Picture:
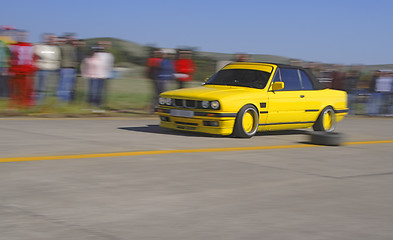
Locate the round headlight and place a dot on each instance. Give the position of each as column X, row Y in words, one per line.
column 215, row 104
column 168, row 101
column 205, row 104
column 161, row 101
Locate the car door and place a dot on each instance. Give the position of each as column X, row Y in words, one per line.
column 311, row 96
column 286, row 106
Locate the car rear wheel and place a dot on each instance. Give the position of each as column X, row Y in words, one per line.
column 246, row 123
column 326, row 121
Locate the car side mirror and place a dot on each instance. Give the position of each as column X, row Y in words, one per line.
column 277, row 86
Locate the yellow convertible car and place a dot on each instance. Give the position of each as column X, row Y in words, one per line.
column 246, row 97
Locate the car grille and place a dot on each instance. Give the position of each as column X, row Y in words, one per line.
column 190, row 104
column 178, row 102
column 185, row 103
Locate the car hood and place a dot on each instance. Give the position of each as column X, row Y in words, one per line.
column 211, row 92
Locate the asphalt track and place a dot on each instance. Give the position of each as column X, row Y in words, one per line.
column 121, row 178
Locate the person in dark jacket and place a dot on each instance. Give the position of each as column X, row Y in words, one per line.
column 68, row 66
column 4, row 59
column 166, row 69
column 338, row 78
column 350, row 84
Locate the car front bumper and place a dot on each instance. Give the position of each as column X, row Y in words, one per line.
column 204, row 122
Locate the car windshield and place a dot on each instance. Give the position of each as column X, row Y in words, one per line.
column 240, row 77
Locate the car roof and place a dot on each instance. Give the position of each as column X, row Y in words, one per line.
column 316, row 83
column 280, row 65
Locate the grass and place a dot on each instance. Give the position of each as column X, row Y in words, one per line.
column 134, row 93
column 125, row 96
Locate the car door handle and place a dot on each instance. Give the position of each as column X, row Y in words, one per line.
column 302, row 96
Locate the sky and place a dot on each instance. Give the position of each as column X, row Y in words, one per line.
column 331, row 31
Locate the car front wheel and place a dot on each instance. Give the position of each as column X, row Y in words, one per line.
column 246, row 123
column 326, row 121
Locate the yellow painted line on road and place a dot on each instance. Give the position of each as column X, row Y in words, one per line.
column 155, row 152
column 76, row 118
column 368, row 142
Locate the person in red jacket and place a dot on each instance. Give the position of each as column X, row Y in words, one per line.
column 21, row 68
column 152, row 69
column 184, row 67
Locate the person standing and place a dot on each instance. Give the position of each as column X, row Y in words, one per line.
column 4, row 58
column 379, row 98
column 152, row 68
column 80, row 46
column 383, row 86
column 351, row 81
column 106, row 69
column 22, row 67
column 68, row 70
column 166, row 69
column 7, row 34
column 81, row 53
column 373, row 95
column 184, row 67
column 338, row 78
column 89, row 70
column 48, row 63
column 97, row 69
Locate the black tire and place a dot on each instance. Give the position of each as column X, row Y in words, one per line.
column 247, row 122
column 326, row 121
column 329, row 139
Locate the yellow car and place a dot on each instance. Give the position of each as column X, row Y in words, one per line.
column 246, row 97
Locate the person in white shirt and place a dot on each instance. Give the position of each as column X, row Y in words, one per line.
column 48, row 64
column 98, row 69
column 381, row 99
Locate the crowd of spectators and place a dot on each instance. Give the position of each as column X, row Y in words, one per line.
column 369, row 93
column 381, row 93
column 166, row 65
column 376, row 98
column 28, row 71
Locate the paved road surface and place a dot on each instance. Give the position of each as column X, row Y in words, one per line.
column 283, row 188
